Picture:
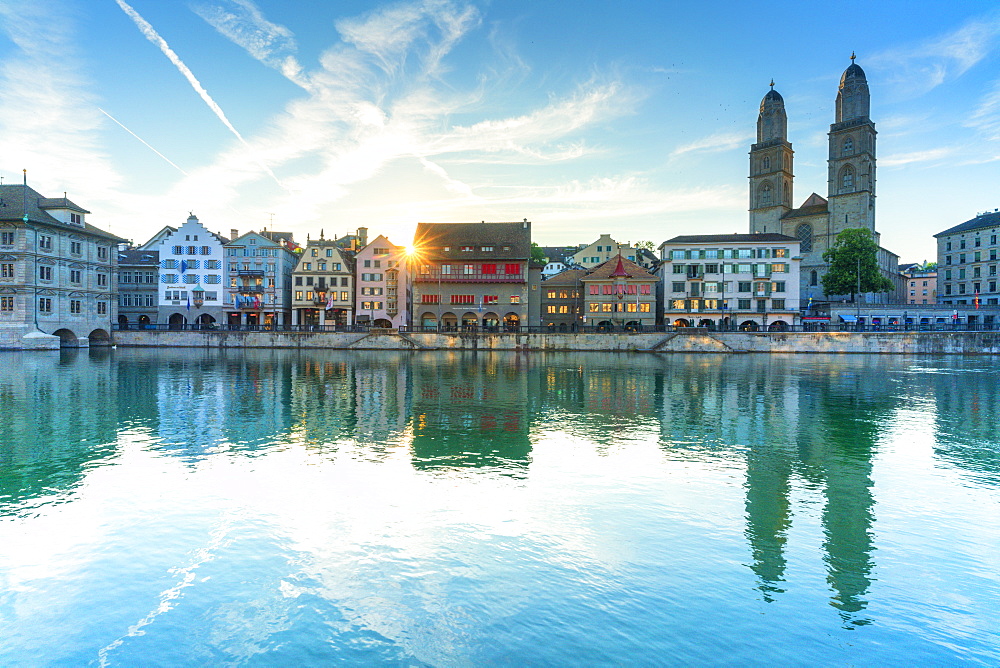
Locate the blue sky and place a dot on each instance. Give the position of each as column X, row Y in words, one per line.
column 588, row 117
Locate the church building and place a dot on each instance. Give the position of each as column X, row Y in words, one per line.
column 850, row 200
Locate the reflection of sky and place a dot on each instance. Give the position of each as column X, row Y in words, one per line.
column 596, row 530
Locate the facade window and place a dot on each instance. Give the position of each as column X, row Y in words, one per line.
column 6, row 304
column 778, row 304
column 743, row 286
column 74, row 306
column 102, row 280
column 961, row 244
column 804, row 234
column 743, row 304
column 512, row 269
column 7, row 270
column 469, row 269
column 429, row 299
column 467, row 249
column 6, row 238
column 847, row 179
column 298, row 295
column 765, row 195
column 45, row 273
column 44, row 305
column 947, row 246
column 345, row 296
column 74, row 276
column 45, row 242
column 463, row 299
column 515, row 299
column 102, row 308
column 848, row 147
column 76, row 248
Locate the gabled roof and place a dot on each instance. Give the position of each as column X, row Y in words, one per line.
column 620, row 265
column 566, row 277
column 431, row 239
column 813, row 206
column 980, row 221
column 136, row 256
column 16, row 200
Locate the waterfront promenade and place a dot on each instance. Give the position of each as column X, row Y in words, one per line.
column 681, row 341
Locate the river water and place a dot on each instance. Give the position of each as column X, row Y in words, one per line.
column 198, row 507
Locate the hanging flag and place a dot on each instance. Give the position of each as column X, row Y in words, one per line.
column 976, row 300
column 809, row 305
column 184, row 266
column 189, row 304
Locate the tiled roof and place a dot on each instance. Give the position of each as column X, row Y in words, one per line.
column 134, row 256
column 813, row 206
column 567, row 277
column 727, row 239
column 18, row 199
column 430, row 240
column 980, row 221
column 604, row 271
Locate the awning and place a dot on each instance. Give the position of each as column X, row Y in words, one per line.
column 849, row 318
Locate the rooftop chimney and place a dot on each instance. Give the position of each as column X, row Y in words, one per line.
column 233, row 234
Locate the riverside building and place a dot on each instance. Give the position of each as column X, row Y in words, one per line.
column 323, row 290
column 260, row 280
column 472, row 275
column 967, row 261
column 382, row 281
column 728, row 281
column 619, row 294
column 191, row 271
column 57, row 273
column 138, row 287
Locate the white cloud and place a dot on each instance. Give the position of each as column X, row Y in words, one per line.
column 48, row 124
column 930, row 155
column 715, row 143
column 918, row 69
column 986, row 117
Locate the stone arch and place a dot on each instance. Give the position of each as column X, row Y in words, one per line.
column 512, row 321
column 176, row 321
column 122, row 321
column 491, row 320
column 382, row 323
column 449, row 321
column 749, row 326
column 428, row 320
column 470, row 320
column 778, row 326
column 144, row 320
column 205, row 321
column 682, row 322
column 99, row 337
column 804, row 233
column 67, row 339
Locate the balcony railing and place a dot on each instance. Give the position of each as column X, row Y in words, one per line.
column 435, row 277
column 250, row 289
column 250, row 272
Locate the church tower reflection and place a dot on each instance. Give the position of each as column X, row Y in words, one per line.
column 826, row 441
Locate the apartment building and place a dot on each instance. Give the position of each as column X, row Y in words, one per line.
column 728, row 281
column 323, row 290
column 967, row 261
column 382, row 283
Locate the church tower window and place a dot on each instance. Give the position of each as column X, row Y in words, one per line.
column 804, row 233
column 847, row 179
column 848, row 147
column 766, row 164
column 765, row 195
column 813, row 277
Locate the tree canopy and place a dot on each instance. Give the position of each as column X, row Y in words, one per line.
column 648, row 245
column 537, row 254
column 853, row 262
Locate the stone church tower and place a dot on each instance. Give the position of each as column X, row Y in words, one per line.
column 850, row 201
column 770, row 166
column 851, row 190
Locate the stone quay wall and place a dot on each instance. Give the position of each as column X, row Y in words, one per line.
column 698, row 341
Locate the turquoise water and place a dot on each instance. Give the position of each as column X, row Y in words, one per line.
column 281, row 508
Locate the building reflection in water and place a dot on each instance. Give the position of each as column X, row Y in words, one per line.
column 813, row 426
column 471, row 410
column 57, row 420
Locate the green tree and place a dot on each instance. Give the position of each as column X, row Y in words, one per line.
column 537, row 254
column 853, row 262
column 648, row 245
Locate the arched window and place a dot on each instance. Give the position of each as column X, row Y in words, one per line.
column 765, row 195
column 847, row 179
column 788, row 195
column 804, row 233
column 848, row 147
column 813, row 278
column 765, row 164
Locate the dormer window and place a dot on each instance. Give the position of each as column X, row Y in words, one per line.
column 486, row 249
column 253, row 242
column 76, row 218
column 467, row 248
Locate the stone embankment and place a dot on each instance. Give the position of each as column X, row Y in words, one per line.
column 696, row 341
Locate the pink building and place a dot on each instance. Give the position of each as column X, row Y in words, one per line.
column 382, row 294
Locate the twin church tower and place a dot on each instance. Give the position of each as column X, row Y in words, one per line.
column 850, row 200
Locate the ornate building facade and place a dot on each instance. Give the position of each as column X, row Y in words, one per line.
column 850, row 200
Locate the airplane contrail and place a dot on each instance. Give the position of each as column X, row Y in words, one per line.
column 143, row 141
column 150, row 33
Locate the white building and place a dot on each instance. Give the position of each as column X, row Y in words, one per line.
column 191, row 271
column 729, row 281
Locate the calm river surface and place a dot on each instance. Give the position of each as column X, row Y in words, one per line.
column 192, row 507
